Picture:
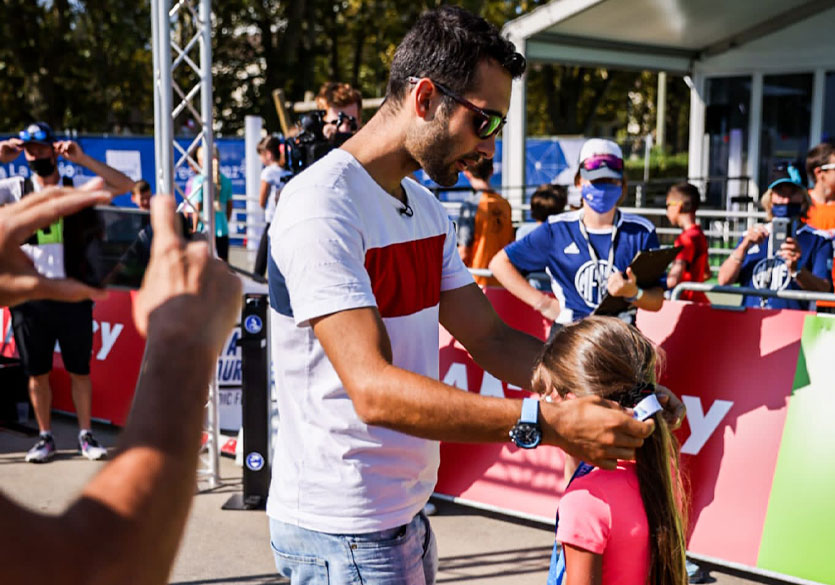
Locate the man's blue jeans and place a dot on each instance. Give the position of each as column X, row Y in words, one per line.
column 406, row 555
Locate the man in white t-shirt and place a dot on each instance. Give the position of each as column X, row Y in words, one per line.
column 363, row 267
column 39, row 324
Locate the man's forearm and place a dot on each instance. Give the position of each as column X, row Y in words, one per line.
column 427, row 408
column 509, row 355
column 116, row 181
column 135, row 510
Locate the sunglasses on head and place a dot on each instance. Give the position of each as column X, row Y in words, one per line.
column 487, row 122
column 600, row 161
column 27, row 136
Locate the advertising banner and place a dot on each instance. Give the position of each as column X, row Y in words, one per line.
column 117, row 356
column 754, row 447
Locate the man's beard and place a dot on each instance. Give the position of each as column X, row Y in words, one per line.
column 432, row 152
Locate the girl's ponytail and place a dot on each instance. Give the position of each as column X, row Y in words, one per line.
column 606, row 357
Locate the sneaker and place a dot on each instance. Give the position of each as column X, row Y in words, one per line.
column 43, row 450
column 90, row 447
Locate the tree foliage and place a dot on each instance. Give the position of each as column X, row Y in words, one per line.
column 87, row 65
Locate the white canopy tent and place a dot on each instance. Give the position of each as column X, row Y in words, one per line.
column 759, row 47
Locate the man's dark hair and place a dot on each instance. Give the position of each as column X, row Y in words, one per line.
column 141, row 186
column 483, row 169
column 690, row 194
column 446, row 45
column 548, row 200
column 818, row 156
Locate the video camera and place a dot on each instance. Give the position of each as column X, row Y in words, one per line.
column 311, row 144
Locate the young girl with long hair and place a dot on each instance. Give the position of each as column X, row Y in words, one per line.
column 624, row 526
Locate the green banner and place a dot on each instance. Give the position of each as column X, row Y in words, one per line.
column 799, row 533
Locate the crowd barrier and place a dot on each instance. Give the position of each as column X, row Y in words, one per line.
column 756, row 444
column 117, row 354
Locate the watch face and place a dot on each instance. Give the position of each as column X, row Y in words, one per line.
column 526, row 435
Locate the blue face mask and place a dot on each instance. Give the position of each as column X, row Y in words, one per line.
column 601, row 197
column 786, row 210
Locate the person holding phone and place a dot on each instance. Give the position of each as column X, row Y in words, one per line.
column 798, row 261
column 588, row 251
column 38, row 324
column 129, row 518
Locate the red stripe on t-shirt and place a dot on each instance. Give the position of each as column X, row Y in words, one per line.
column 406, row 277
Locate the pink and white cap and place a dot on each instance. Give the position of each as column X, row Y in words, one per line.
column 603, row 160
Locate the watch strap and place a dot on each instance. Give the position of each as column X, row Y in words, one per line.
column 530, row 411
column 637, row 296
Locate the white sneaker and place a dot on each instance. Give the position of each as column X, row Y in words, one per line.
column 43, row 450
column 90, row 447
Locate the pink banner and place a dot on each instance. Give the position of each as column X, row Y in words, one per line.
column 734, row 371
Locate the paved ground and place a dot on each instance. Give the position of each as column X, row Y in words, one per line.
column 228, row 547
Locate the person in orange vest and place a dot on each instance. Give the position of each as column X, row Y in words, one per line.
column 820, row 168
column 485, row 226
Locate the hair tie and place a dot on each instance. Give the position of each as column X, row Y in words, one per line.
column 629, row 398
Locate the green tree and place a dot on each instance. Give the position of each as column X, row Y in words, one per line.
column 87, row 65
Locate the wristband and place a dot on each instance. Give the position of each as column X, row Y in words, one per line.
column 543, row 302
column 637, row 296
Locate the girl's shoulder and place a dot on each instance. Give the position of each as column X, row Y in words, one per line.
column 609, row 484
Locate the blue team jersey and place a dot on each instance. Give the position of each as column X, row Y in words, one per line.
column 560, row 247
column 760, row 272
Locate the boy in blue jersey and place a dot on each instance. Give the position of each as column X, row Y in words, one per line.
column 801, row 263
column 587, row 251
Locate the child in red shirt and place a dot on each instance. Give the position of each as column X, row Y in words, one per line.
column 691, row 264
column 622, row 526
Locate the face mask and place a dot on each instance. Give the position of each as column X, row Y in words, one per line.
column 43, row 167
column 786, row 210
column 601, row 197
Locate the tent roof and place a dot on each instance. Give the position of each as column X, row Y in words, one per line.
column 652, row 34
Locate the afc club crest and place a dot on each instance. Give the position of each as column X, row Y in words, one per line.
column 590, row 281
column 771, row 274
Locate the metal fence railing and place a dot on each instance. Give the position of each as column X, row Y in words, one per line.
column 723, row 227
column 794, row 295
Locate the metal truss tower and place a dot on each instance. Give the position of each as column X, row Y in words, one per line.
column 182, row 49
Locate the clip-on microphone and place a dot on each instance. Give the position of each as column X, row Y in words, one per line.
column 407, row 211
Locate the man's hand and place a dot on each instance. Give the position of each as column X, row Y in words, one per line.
column 596, row 430
column 19, row 281
column 622, row 285
column 70, row 150
column 184, row 289
column 674, row 409
column 10, row 149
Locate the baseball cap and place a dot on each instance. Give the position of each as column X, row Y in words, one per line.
column 601, row 159
column 786, row 172
column 37, row 133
